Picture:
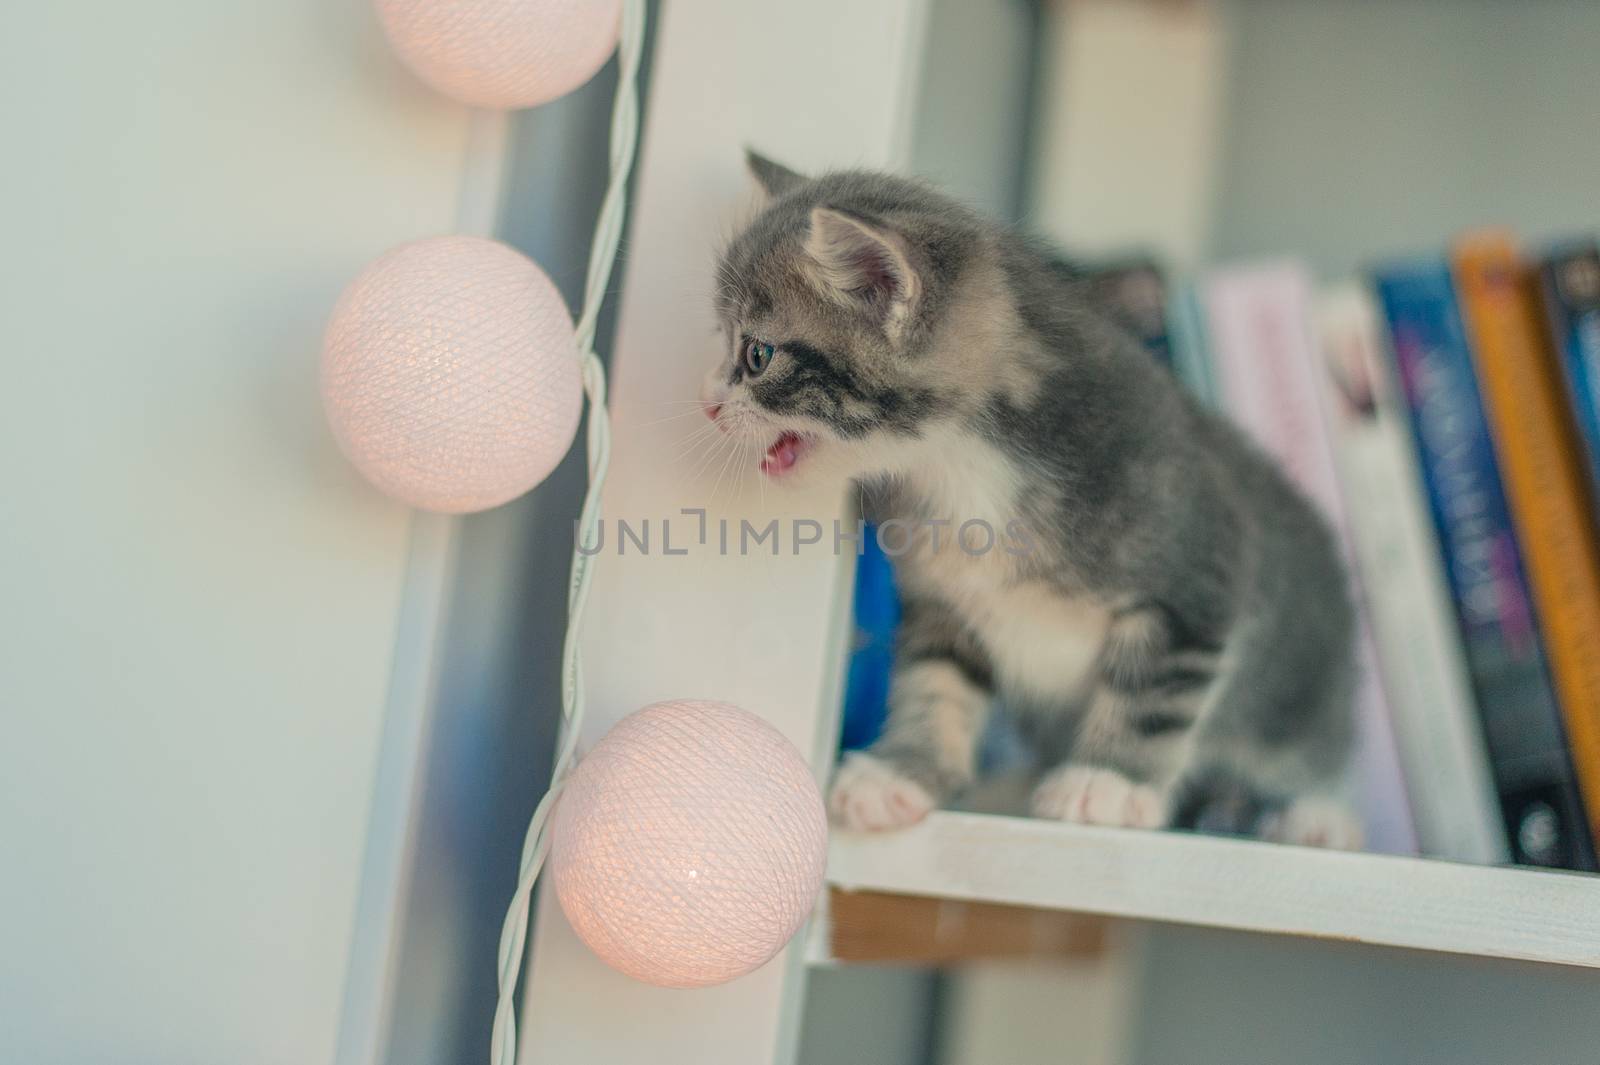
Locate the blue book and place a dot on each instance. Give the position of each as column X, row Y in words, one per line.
column 1571, row 281
column 1530, row 763
column 876, row 613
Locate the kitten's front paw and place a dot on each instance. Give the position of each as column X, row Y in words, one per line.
column 1314, row 822
column 1090, row 796
column 869, row 794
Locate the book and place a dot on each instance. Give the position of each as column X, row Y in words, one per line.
column 1186, row 326
column 1522, row 730
column 1545, row 479
column 1266, row 371
column 875, row 611
column 1571, row 283
column 1419, row 656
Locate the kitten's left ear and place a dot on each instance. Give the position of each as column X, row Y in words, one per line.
column 860, row 264
column 774, row 178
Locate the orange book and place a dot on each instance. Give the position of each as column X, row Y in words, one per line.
column 1537, row 447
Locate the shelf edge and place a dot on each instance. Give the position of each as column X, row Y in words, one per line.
column 1423, row 904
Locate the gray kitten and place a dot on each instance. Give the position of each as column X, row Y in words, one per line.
column 1166, row 617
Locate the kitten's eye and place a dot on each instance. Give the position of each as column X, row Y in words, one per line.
column 756, row 356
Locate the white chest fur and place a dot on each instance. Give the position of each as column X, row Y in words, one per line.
column 1043, row 644
column 1041, row 641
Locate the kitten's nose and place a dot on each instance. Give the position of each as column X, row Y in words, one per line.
column 712, row 410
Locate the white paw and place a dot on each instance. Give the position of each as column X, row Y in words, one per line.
column 1314, row 823
column 1090, row 796
column 871, row 795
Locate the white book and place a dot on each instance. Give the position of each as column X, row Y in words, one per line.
column 1420, row 658
column 1269, row 379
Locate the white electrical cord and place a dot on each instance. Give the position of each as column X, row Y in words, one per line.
column 602, row 254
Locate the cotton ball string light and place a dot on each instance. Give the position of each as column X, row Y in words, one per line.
column 689, row 845
column 450, row 374
column 502, row 53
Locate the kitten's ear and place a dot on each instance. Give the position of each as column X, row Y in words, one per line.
column 860, row 264
column 775, row 178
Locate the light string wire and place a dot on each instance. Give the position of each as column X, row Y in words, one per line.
column 602, row 255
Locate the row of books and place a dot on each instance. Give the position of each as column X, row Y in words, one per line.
column 1445, row 414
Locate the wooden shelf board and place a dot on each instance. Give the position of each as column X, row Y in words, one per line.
column 1498, row 912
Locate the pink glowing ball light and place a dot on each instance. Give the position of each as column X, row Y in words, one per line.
column 689, row 845
column 502, row 53
column 450, row 374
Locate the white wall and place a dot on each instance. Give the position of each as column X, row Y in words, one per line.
column 1355, row 129
column 1124, row 147
column 1340, row 130
column 198, row 598
column 1225, row 998
column 973, row 100
column 868, row 1015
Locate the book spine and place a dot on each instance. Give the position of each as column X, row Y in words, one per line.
column 1191, row 355
column 1521, row 724
column 1419, row 649
column 1265, row 361
column 1572, row 300
column 1545, row 481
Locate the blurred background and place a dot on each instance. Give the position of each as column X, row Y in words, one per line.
column 230, row 831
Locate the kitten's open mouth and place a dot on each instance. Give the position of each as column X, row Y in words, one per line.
column 785, row 453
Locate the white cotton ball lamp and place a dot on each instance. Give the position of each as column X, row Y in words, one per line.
column 450, row 374
column 689, row 845
column 502, row 53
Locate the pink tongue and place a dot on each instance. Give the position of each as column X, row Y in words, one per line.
column 782, row 454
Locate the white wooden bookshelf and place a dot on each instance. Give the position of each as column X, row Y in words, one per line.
column 1423, row 904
